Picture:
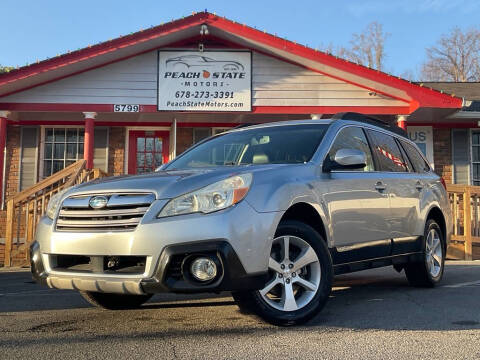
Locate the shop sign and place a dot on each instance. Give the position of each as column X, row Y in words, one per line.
column 423, row 137
column 204, row 81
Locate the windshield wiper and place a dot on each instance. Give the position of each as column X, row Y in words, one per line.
column 229, row 163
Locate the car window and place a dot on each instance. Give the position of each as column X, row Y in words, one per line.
column 405, row 157
column 352, row 138
column 419, row 163
column 288, row 144
column 387, row 152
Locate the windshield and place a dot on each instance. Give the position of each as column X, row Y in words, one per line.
column 287, row 144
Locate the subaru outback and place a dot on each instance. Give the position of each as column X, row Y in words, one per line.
column 268, row 212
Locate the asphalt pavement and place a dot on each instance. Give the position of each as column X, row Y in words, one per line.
column 371, row 315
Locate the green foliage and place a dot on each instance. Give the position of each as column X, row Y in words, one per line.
column 5, row 69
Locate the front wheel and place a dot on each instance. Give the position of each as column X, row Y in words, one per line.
column 115, row 301
column 429, row 271
column 300, row 277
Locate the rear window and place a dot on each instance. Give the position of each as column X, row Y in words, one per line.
column 419, row 163
column 387, row 152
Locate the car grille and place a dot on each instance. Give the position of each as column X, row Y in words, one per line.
column 122, row 212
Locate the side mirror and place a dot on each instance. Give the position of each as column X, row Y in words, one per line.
column 346, row 159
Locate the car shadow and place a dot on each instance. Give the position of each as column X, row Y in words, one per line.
column 378, row 299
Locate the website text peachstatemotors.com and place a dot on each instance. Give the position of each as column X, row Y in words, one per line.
column 204, row 104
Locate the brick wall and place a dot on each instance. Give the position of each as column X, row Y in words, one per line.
column 12, row 165
column 442, row 153
column 12, row 176
column 116, row 151
column 184, row 139
column 12, row 170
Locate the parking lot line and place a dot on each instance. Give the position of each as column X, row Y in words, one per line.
column 469, row 283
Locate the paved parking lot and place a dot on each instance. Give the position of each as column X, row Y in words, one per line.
column 371, row 315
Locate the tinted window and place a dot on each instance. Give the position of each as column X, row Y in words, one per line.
column 417, row 160
column 408, row 163
column 387, row 152
column 352, row 138
column 287, row 144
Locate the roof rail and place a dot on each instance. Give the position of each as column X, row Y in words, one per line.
column 353, row 116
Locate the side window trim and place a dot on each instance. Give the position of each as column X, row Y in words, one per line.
column 376, row 161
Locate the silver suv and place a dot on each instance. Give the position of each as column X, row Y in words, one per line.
column 269, row 212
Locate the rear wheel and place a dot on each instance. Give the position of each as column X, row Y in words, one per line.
column 115, row 301
column 429, row 271
column 300, row 278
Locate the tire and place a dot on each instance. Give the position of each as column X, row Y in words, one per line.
column 115, row 301
column 309, row 281
column 429, row 271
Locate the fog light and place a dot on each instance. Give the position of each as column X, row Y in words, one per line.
column 203, row 269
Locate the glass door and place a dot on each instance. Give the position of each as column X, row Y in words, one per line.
column 147, row 150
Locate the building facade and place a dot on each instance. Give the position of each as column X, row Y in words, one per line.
column 130, row 104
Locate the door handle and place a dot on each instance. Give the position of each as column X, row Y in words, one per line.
column 380, row 186
column 419, row 185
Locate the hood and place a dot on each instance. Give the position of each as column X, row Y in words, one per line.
column 167, row 184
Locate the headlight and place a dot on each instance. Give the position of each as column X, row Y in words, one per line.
column 53, row 204
column 216, row 196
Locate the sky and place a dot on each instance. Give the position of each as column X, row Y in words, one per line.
column 33, row 29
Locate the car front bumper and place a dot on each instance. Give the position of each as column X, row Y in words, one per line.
column 239, row 237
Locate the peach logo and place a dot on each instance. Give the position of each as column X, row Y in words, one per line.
column 206, row 74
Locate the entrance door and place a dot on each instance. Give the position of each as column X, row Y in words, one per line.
column 147, row 150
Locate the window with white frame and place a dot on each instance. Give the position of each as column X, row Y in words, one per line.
column 62, row 147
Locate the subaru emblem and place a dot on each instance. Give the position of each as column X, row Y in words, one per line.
column 98, row 202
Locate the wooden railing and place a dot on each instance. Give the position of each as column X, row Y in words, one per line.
column 465, row 203
column 25, row 208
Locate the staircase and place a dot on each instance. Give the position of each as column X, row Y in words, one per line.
column 25, row 209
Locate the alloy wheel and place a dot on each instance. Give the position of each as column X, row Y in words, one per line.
column 295, row 274
column 433, row 253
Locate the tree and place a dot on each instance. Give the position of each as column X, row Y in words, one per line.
column 366, row 48
column 455, row 57
column 5, row 69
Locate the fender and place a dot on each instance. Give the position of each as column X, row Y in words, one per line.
column 435, row 197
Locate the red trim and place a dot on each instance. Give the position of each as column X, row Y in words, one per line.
column 379, row 110
column 103, row 48
column 371, row 110
column 119, row 123
column 132, row 147
column 447, row 125
column 217, row 43
column 425, row 97
column 233, row 45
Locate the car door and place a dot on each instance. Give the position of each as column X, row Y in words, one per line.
column 403, row 184
column 357, row 202
column 409, row 219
